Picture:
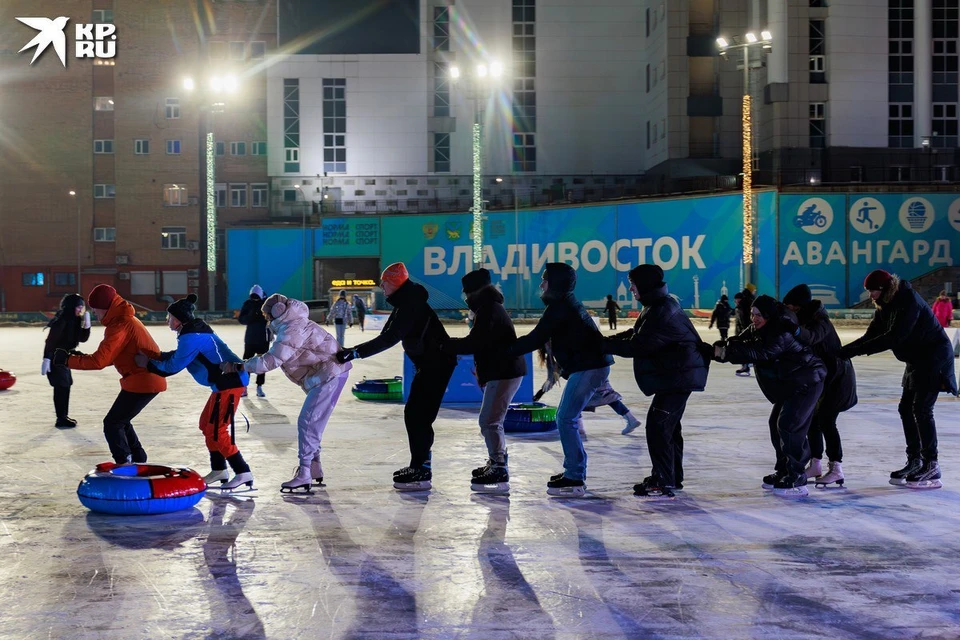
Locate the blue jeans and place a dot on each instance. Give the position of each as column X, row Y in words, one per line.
column 580, row 388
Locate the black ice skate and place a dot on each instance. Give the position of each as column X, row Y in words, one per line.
column 652, row 487
column 496, row 480
column 770, row 480
column 899, row 477
column 241, row 483
column 743, row 372
column 927, row 477
column 302, row 481
column 564, row 487
column 791, row 486
column 413, row 479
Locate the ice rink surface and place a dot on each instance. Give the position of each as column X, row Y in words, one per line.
column 726, row 559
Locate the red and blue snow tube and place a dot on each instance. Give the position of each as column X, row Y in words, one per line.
column 140, row 489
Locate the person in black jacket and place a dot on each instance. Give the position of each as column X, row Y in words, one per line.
column 668, row 365
column 790, row 377
column 498, row 376
column 744, row 303
column 577, row 344
column 413, row 322
column 905, row 323
column 256, row 339
column 815, row 330
column 68, row 328
column 612, row 308
column 721, row 316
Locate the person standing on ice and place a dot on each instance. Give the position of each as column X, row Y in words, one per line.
column 721, row 316
column 498, row 376
column 790, row 377
column 360, row 308
column 668, row 365
column 815, row 330
column 307, row 355
column 413, row 323
column 576, row 343
column 201, row 351
column 124, row 336
column 256, row 339
column 612, row 308
column 904, row 323
column 68, row 328
column 943, row 309
column 744, row 303
column 342, row 315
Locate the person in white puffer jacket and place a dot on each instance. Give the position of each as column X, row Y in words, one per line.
column 307, row 355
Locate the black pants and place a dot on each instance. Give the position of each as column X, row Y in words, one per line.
column 824, row 427
column 250, row 350
column 664, row 438
column 118, row 430
column 723, row 332
column 612, row 321
column 61, row 380
column 789, row 423
column 360, row 317
column 919, row 428
column 426, row 394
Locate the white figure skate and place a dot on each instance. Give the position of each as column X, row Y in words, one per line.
column 241, row 483
column 814, row 469
column 301, row 480
column 834, row 477
column 217, row 475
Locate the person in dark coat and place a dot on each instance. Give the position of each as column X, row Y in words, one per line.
column 68, row 328
column 497, row 375
column 791, row 377
column 815, row 330
column 256, row 339
column 744, row 303
column 361, row 309
column 577, row 346
column 905, row 324
column 667, row 365
column 721, row 316
column 413, row 323
column 612, row 308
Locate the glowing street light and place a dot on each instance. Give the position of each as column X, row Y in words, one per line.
column 751, row 37
column 188, row 84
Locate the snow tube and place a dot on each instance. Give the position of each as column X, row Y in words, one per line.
column 7, row 380
column 140, row 489
column 384, row 390
column 534, row 417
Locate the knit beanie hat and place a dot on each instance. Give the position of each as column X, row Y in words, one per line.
column 275, row 305
column 475, row 280
column 183, row 309
column 396, row 274
column 767, row 306
column 799, row 296
column 877, row 280
column 101, row 296
column 256, row 290
column 646, row 277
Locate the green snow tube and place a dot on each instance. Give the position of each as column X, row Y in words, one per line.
column 534, row 417
column 380, row 390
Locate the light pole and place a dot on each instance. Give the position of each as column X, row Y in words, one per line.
column 73, row 194
column 216, row 86
column 765, row 42
column 303, row 246
column 484, row 76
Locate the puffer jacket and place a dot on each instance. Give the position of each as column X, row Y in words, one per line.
column 342, row 311
column 200, row 351
column 721, row 315
column 302, row 349
column 943, row 310
column 492, row 330
column 817, row 332
column 124, row 336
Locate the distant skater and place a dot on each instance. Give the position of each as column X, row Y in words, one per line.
column 612, row 309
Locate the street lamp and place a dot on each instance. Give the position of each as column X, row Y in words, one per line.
column 484, row 75
column 765, row 41
column 211, row 90
column 73, row 194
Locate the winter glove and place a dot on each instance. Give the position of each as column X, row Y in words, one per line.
column 141, row 360
column 60, row 356
column 847, row 353
column 720, row 351
column 538, row 395
column 707, row 351
column 231, row 367
column 86, row 320
column 45, row 367
column 346, row 355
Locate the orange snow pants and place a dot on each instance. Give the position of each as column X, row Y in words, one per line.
column 217, row 418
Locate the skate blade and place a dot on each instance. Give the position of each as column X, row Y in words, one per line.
column 898, row 482
column 655, row 496
column 425, row 485
column 497, row 488
column 305, row 487
column 766, row 487
column 742, row 375
column 567, row 492
column 926, row 484
column 795, row 492
column 318, row 482
column 829, row 485
column 224, row 491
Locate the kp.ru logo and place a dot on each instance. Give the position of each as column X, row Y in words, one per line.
column 92, row 40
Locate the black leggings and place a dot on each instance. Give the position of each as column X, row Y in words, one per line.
column 117, row 427
column 420, row 412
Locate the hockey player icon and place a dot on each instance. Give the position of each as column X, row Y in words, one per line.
column 863, row 216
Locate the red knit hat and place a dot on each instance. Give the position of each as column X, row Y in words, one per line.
column 396, row 274
column 877, row 280
column 101, row 296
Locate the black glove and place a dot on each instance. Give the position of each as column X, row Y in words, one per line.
column 846, row 353
column 60, row 356
column 346, row 355
column 538, row 395
column 706, row 351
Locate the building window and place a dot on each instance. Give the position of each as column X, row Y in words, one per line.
column 103, row 103
column 945, row 61
column 237, row 48
column 292, row 155
column 900, row 132
column 173, row 237
column 173, row 147
column 174, row 195
column 33, row 279
column 259, row 194
column 818, row 126
column 258, row 148
column 221, row 148
column 171, row 109
column 291, row 124
column 104, row 191
column 647, row 22
column 141, row 147
column 103, row 146
column 441, row 152
column 944, row 126
column 663, row 129
column 334, row 125
column 524, row 85
column 220, row 190
column 238, row 195
column 258, row 50
column 102, row 16
column 441, row 90
column 104, row 234
column 217, row 50
column 818, row 44
column 648, row 78
column 524, row 152
column 238, row 148
column 441, row 28
column 648, row 134
column 68, row 279
column 900, row 32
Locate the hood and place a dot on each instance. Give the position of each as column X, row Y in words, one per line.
column 118, row 311
column 296, row 310
column 811, row 310
column 483, row 297
column 561, row 281
column 653, row 295
column 409, row 292
column 68, row 303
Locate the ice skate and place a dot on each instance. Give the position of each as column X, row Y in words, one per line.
column 564, row 487
column 260, row 393
column 652, row 487
column 302, row 479
column 632, row 423
column 215, row 476
column 789, row 486
column 413, row 479
column 743, row 372
column 833, row 476
column 899, row 477
column 768, row 481
column 65, row 423
column 814, row 469
column 479, row 471
column 241, row 483
column 495, row 480
column 316, row 471
column 927, row 477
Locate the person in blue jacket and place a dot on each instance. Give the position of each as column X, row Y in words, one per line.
column 200, row 351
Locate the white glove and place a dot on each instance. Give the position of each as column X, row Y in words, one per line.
column 45, row 367
column 86, row 319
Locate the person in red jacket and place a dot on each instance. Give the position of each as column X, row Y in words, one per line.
column 123, row 338
column 943, row 309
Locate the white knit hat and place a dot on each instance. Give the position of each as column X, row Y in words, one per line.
column 256, row 289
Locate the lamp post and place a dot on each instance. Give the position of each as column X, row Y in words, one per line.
column 73, row 194
column 765, row 42
column 303, row 245
column 214, row 88
column 484, row 76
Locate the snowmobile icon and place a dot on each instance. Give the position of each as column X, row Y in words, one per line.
column 810, row 217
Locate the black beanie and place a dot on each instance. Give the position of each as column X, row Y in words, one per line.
column 475, row 280
column 799, row 296
column 767, row 306
column 646, row 278
column 183, row 309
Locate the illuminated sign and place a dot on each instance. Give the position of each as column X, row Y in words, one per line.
column 353, row 283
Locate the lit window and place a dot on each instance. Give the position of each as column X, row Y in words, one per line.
column 174, row 195
column 33, row 279
column 103, row 103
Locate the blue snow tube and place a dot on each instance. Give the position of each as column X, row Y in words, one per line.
column 532, row 417
column 140, row 489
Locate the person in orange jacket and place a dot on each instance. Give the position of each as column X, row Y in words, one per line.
column 123, row 338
